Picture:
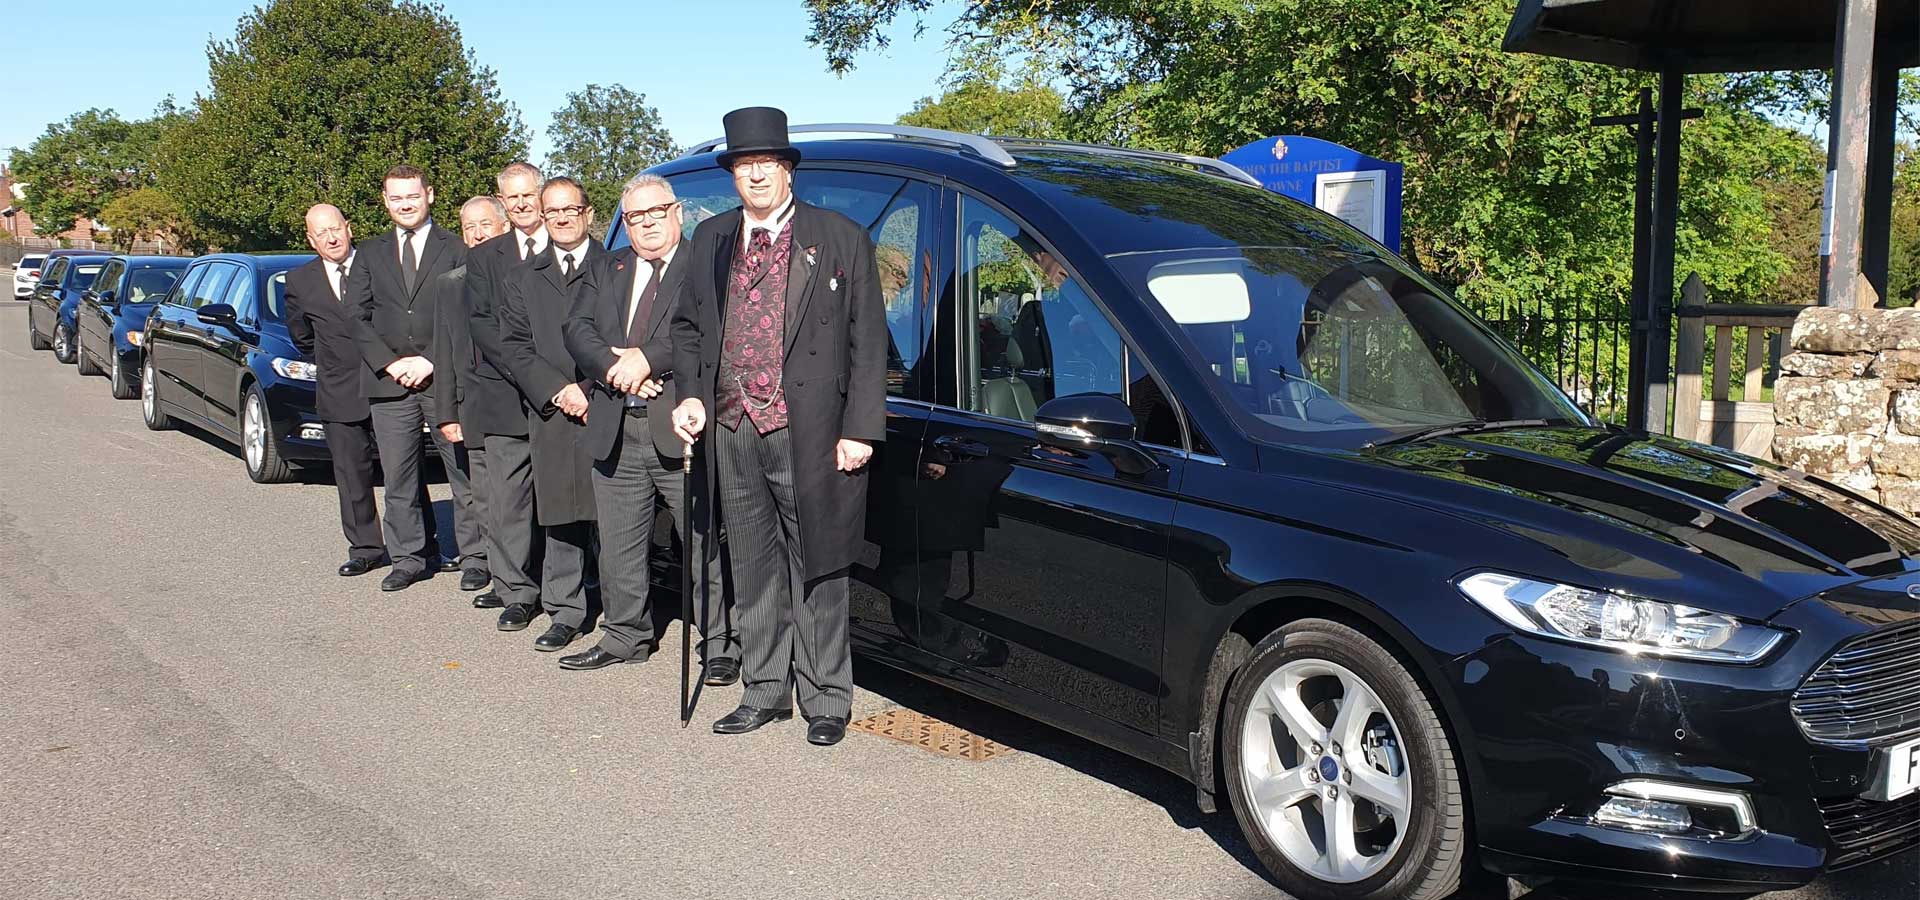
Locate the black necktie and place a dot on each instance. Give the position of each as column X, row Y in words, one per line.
column 409, row 266
column 341, row 288
column 643, row 311
column 566, row 264
column 529, row 249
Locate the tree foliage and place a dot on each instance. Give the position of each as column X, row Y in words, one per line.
column 604, row 136
column 77, row 167
column 145, row 213
column 313, row 100
column 982, row 105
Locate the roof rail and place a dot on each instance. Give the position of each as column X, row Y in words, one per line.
column 1203, row 163
column 985, row 148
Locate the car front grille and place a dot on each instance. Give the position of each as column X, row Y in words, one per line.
column 1867, row 830
column 1865, row 692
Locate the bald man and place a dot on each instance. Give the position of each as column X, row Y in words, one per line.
column 325, row 331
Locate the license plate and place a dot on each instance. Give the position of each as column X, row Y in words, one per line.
column 1899, row 771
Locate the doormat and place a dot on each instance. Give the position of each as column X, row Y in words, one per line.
column 930, row 734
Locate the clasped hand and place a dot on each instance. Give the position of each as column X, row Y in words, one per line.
column 410, row 371
column 572, row 401
column 630, row 374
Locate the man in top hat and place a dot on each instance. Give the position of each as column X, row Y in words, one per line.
column 637, row 456
column 780, row 344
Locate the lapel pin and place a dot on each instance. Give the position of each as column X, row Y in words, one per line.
column 810, row 255
column 833, row 284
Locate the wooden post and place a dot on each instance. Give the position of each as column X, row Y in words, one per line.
column 1842, row 277
column 1686, row 365
column 1756, row 363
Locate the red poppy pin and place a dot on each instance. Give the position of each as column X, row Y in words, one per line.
column 833, row 284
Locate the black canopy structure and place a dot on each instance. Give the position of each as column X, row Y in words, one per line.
column 1865, row 43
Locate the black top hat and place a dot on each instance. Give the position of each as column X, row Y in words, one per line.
column 757, row 129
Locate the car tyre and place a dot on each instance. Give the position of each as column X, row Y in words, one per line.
column 257, row 447
column 1292, row 757
column 34, row 338
column 117, row 381
column 150, row 409
column 63, row 343
column 84, row 363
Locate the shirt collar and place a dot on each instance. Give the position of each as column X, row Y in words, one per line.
column 579, row 253
column 400, row 234
column 664, row 260
column 539, row 236
column 348, row 262
column 773, row 223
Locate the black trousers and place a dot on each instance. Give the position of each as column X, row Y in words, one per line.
column 793, row 631
column 351, row 446
column 397, row 428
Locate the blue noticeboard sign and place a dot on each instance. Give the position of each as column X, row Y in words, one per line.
column 1354, row 187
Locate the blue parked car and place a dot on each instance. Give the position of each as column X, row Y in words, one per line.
column 111, row 319
column 50, row 310
column 218, row 357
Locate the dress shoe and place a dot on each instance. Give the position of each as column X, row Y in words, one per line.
column 826, row 731
column 748, row 718
column 722, row 672
column 448, row 565
column 488, row 600
column 517, row 616
column 401, row 579
column 597, row 658
column 475, row 579
column 557, row 636
column 359, row 566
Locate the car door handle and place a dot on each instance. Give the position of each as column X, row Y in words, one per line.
column 964, row 448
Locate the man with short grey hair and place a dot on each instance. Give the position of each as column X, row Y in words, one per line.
column 621, row 338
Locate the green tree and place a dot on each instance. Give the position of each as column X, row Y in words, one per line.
column 77, row 167
column 981, row 105
column 313, row 100
column 1903, row 262
column 145, row 213
column 604, row 136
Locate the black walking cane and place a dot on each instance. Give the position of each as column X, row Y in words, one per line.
column 689, row 687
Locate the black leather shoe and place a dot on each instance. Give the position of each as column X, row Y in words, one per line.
column 475, row 579
column 597, row 658
column 358, row 566
column 826, row 731
column 448, row 565
column 401, row 579
column 517, row 616
column 722, row 672
column 488, row 600
column 557, row 636
column 748, row 718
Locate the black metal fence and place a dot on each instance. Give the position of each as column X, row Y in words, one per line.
column 1581, row 344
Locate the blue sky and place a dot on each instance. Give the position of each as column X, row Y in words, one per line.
column 683, row 56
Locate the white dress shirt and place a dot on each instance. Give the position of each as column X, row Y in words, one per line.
column 336, row 278
column 640, row 285
column 539, row 241
column 419, row 241
column 772, row 223
column 579, row 255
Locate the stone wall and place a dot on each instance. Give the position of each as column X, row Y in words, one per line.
column 1847, row 402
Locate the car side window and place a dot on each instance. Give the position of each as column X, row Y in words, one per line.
column 183, row 289
column 56, row 271
column 83, row 275
column 702, row 196
column 240, row 295
column 148, row 285
column 212, row 286
column 903, row 240
column 1035, row 332
column 109, row 277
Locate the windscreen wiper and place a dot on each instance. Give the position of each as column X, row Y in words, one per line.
column 1470, row 427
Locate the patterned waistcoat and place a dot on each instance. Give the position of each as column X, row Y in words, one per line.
column 752, row 354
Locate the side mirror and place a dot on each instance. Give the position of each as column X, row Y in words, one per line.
column 1094, row 423
column 218, row 314
column 105, row 298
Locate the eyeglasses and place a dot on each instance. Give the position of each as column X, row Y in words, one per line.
column 656, row 213
column 564, row 212
column 756, row 166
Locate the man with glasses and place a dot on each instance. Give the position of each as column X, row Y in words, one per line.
column 780, row 332
column 394, row 289
column 620, row 337
column 492, row 409
column 532, row 310
column 326, row 331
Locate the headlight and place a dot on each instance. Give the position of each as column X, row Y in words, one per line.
column 136, row 338
column 1618, row 621
column 295, row 369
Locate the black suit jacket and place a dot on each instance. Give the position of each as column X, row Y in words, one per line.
column 599, row 323
column 396, row 322
column 326, row 330
column 452, row 355
column 492, row 404
column 834, row 374
column 532, row 312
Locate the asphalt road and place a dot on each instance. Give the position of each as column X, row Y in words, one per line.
column 195, row 706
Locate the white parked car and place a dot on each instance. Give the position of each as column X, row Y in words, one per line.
column 26, row 274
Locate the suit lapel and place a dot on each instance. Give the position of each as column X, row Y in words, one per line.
column 663, row 298
column 626, row 268
column 430, row 254
column 800, row 268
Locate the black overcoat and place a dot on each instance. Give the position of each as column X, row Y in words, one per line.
column 491, row 401
column 532, row 312
column 834, row 371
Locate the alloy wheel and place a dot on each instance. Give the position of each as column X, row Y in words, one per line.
column 1328, row 782
column 114, row 375
column 62, row 343
column 253, row 432
column 148, row 403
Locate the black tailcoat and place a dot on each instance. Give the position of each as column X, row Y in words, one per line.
column 834, row 371
column 532, row 312
column 327, row 331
